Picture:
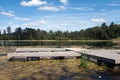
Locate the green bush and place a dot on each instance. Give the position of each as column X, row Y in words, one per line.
column 83, row 61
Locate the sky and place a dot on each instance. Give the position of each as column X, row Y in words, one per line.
column 71, row 15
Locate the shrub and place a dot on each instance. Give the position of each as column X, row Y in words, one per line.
column 83, row 61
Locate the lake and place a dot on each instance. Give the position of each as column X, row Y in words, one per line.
column 63, row 43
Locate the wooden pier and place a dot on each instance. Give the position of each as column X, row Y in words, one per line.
column 109, row 57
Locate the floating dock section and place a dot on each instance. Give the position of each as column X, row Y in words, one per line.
column 43, row 53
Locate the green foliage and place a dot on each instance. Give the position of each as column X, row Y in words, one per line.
column 9, row 30
column 103, row 32
column 83, row 61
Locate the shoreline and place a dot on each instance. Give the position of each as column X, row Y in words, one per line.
column 60, row 40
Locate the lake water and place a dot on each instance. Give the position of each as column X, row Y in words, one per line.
column 96, row 44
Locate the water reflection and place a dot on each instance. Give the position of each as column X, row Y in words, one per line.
column 57, row 43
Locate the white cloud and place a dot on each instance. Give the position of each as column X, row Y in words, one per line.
column 64, row 1
column 46, row 7
column 82, row 8
column 1, row 8
column 33, row 3
column 20, row 18
column 49, row 8
column 10, row 11
column 52, row 8
column 42, row 22
column 34, row 24
column 98, row 20
column 12, row 15
column 62, row 7
column 9, row 14
column 114, row 4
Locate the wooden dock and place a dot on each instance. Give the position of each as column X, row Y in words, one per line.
column 19, row 50
column 109, row 57
column 43, row 53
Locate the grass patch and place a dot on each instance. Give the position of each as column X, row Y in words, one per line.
column 44, row 69
column 49, row 70
column 117, row 40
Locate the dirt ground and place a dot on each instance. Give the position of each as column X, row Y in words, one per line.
column 5, row 50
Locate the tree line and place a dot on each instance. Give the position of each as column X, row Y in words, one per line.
column 103, row 32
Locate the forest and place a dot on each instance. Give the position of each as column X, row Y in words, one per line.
column 103, row 32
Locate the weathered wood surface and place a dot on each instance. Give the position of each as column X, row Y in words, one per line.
column 111, row 56
column 45, row 54
column 40, row 49
column 106, row 54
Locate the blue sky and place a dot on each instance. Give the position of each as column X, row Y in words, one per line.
column 58, row 14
